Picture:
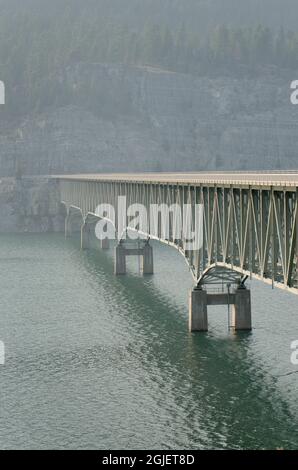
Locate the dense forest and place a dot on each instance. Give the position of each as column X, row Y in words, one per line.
column 37, row 43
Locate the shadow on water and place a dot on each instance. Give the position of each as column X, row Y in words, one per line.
column 227, row 400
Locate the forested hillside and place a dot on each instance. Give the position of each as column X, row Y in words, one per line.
column 38, row 39
column 104, row 85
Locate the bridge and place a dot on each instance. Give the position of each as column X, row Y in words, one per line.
column 249, row 226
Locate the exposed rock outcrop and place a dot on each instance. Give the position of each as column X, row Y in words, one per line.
column 142, row 118
column 30, row 205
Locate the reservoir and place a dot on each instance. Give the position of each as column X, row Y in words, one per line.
column 94, row 361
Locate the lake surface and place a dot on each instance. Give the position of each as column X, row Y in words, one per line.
column 99, row 362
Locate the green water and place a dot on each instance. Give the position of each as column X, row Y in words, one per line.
column 99, row 362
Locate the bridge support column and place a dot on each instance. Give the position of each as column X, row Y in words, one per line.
column 147, row 259
column 146, row 253
column 198, row 319
column 120, row 259
column 241, row 317
column 85, row 237
column 67, row 226
column 105, row 244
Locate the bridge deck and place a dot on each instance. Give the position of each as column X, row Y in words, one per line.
column 284, row 178
column 250, row 219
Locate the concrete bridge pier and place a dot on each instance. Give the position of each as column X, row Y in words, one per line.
column 241, row 310
column 240, row 300
column 147, row 259
column 68, row 226
column 105, row 244
column 120, row 259
column 146, row 252
column 85, row 236
column 198, row 319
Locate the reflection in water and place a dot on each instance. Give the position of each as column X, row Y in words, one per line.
column 95, row 361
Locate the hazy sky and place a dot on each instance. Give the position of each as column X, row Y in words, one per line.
column 198, row 14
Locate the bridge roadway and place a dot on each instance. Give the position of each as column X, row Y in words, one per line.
column 250, row 228
column 253, row 178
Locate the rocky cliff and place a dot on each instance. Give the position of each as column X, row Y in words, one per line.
column 30, row 205
column 142, row 118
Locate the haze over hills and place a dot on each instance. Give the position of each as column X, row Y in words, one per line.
column 199, row 15
column 105, row 85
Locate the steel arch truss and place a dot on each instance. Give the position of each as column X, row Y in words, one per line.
column 251, row 230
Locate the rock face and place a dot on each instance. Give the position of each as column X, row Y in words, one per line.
column 30, row 205
column 122, row 118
